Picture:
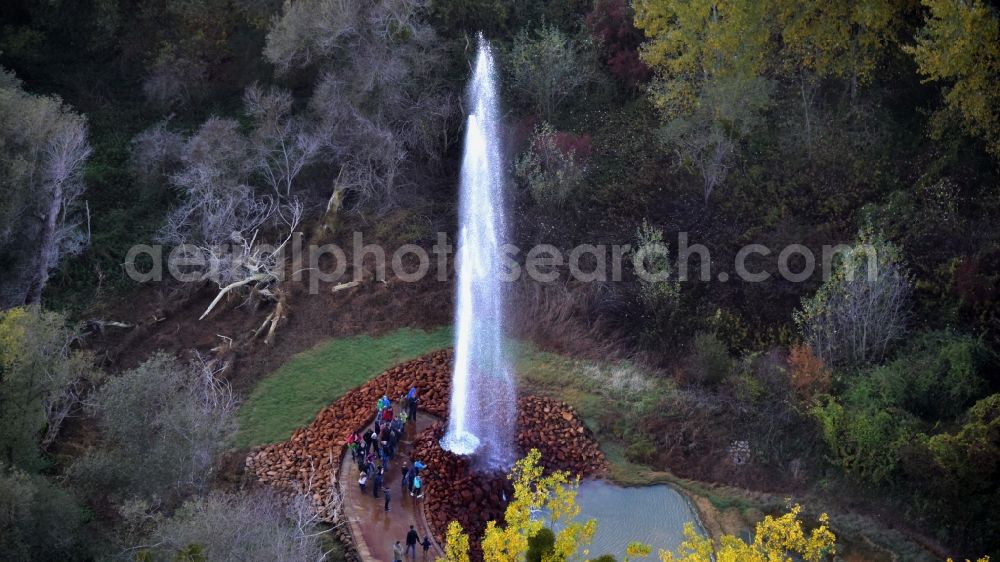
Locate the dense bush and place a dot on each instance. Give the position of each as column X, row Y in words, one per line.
column 42, row 379
column 866, row 441
column 553, row 166
column 162, row 425
column 709, row 362
column 808, row 374
column 38, row 519
column 546, row 67
column 936, row 376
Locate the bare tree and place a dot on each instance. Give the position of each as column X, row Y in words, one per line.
column 41, row 176
column 380, row 103
column 155, row 155
column 863, row 308
column 281, row 145
column 220, row 217
column 254, row 526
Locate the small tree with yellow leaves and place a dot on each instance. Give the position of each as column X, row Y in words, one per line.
column 776, row 538
column 534, row 493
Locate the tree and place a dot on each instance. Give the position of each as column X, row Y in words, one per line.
column 233, row 527
column 843, row 40
column 547, row 67
column 552, row 169
column 554, row 493
column 775, row 538
column 44, row 149
column 380, row 102
column 708, row 59
column 42, row 379
column 611, row 24
column 39, row 520
column 220, row 219
column 694, row 42
column 281, row 145
column 862, row 309
column 706, row 138
column 162, row 425
column 959, row 45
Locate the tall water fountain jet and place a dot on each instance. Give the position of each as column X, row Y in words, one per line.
column 483, row 396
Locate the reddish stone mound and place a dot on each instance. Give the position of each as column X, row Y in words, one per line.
column 313, row 453
column 453, row 492
column 311, row 457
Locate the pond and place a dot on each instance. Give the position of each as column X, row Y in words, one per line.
column 654, row 515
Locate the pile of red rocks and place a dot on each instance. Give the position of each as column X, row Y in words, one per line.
column 454, row 492
column 311, row 457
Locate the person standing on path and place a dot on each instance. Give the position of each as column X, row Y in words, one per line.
column 411, row 542
column 378, row 484
column 403, row 482
column 397, row 552
column 386, row 492
column 412, row 404
column 427, row 546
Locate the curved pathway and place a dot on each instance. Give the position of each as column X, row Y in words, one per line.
column 375, row 530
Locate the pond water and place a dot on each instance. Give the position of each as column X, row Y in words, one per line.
column 654, row 515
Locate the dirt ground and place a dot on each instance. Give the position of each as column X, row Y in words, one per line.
column 166, row 318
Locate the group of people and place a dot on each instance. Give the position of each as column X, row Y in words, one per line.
column 374, row 448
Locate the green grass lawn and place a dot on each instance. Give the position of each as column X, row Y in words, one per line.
column 293, row 395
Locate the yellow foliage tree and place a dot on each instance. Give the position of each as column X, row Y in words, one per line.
column 456, row 547
column 960, row 45
column 775, row 539
column 838, row 39
column 695, row 41
column 534, row 492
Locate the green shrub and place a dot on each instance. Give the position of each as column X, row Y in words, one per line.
column 547, row 67
column 709, row 363
column 540, row 545
column 641, row 451
column 38, row 519
column 936, row 376
column 866, row 443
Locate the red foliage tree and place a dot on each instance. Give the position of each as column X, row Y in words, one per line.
column 611, row 26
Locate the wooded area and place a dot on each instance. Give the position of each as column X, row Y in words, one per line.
column 874, row 124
